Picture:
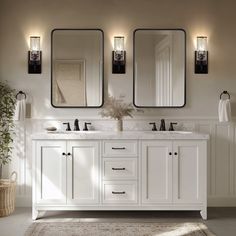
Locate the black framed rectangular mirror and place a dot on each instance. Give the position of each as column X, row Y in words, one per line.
column 159, row 68
column 77, row 68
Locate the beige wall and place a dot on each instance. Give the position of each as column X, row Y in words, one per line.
column 216, row 19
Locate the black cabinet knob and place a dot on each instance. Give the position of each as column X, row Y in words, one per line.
column 176, row 153
column 63, row 154
column 69, row 154
column 170, row 153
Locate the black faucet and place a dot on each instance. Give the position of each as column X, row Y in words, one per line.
column 76, row 125
column 162, row 126
column 85, row 126
column 171, row 126
column 154, row 127
column 68, row 126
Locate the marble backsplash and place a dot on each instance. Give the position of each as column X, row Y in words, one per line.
column 109, row 125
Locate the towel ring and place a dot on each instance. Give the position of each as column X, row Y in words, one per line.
column 20, row 93
column 225, row 92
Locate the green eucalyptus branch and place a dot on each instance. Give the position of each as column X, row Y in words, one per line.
column 7, row 109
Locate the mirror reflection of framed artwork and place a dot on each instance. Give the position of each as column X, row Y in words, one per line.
column 69, row 83
column 159, row 68
column 77, row 68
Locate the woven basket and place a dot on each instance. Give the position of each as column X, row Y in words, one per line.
column 7, row 195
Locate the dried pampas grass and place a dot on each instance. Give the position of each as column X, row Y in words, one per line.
column 116, row 109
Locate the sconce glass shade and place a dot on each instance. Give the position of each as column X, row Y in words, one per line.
column 119, row 43
column 201, row 43
column 34, row 43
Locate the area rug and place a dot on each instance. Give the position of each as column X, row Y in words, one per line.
column 117, row 229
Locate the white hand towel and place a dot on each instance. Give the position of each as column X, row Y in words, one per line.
column 224, row 110
column 17, row 111
column 20, row 110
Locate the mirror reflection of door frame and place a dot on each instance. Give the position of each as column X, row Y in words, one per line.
column 163, row 72
column 135, row 69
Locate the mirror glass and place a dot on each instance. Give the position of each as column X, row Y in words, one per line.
column 159, row 67
column 77, row 68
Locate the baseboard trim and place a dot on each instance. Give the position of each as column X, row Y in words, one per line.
column 222, row 201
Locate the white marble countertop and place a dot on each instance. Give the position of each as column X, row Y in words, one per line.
column 68, row 135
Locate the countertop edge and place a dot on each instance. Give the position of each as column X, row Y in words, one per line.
column 121, row 136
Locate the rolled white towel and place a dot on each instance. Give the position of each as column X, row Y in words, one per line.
column 224, row 110
column 20, row 110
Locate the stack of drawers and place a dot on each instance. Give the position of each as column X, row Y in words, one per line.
column 120, row 172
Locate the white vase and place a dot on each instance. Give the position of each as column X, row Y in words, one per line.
column 119, row 125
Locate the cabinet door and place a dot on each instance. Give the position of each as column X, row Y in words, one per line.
column 156, row 172
column 189, row 169
column 83, row 172
column 50, row 172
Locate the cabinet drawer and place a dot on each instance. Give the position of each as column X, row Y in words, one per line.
column 119, row 168
column 119, row 192
column 122, row 148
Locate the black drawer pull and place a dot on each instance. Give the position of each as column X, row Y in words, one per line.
column 170, row 153
column 118, row 168
column 176, row 153
column 118, row 148
column 63, row 154
column 118, row 192
column 69, row 154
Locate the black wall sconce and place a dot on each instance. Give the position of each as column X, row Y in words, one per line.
column 34, row 56
column 201, row 56
column 118, row 56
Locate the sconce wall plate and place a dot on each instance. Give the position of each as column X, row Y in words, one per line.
column 201, row 63
column 201, row 56
column 118, row 62
column 34, row 56
column 34, row 66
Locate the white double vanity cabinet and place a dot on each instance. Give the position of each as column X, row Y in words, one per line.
column 120, row 171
